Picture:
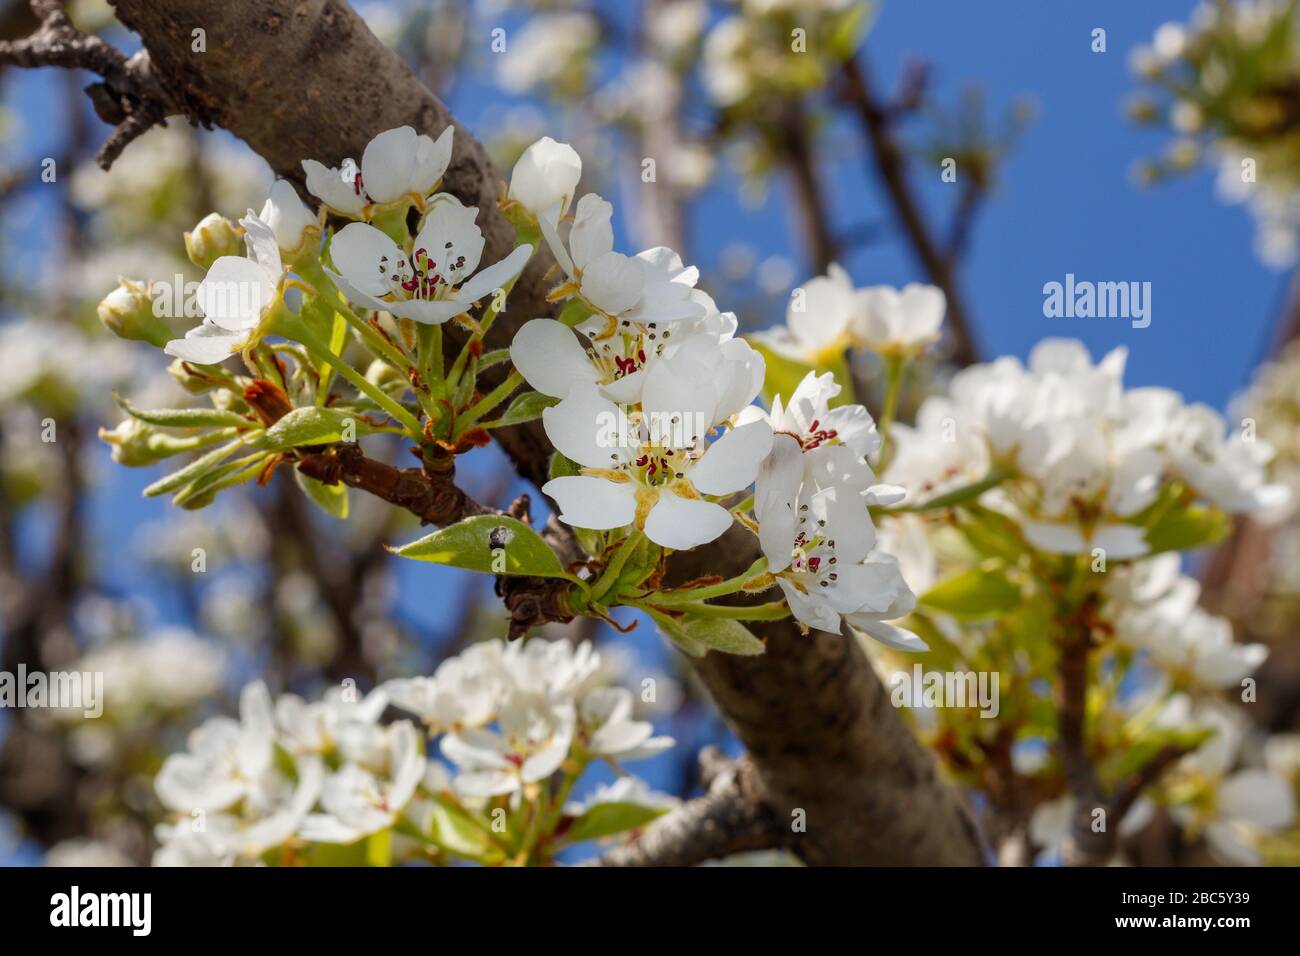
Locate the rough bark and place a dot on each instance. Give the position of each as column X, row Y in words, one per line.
column 307, row 79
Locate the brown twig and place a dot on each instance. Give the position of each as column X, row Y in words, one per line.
column 431, row 494
column 131, row 97
column 891, row 170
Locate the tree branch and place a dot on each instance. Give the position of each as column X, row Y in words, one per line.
column 131, row 97
column 731, row 817
column 821, row 733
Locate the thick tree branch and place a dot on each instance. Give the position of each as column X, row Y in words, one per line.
column 307, row 79
column 731, row 817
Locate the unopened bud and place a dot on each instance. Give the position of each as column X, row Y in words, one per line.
column 192, row 378
column 382, row 374
column 131, row 443
column 128, row 313
column 215, row 236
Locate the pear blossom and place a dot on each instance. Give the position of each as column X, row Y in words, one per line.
column 358, row 800
column 398, row 165
column 606, row 729
column 533, row 740
column 1189, row 641
column 653, row 286
column 545, row 177
column 1227, row 471
column 230, row 781
column 891, row 321
column 819, row 320
column 235, row 296
column 432, row 283
column 808, row 417
column 661, row 486
column 224, row 758
column 289, row 219
column 465, row 690
column 828, row 569
column 549, row 670
column 338, row 723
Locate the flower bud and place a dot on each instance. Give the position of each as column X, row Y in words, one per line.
column 384, row 375
column 192, row 378
column 128, row 313
column 293, row 224
column 132, row 443
column 545, row 175
column 215, row 236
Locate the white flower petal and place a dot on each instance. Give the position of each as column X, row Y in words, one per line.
column 731, row 463
column 450, row 239
column 234, row 293
column 359, row 252
column 547, row 354
column 585, row 427
column 592, row 502
column 682, row 523
column 206, row 344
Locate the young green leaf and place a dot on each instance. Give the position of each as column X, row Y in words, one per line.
column 182, row 417
column 313, row 426
column 973, row 594
column 606, row 819
column 723, row 634
column 493, row 544
column 333, row 499
column 525, row 408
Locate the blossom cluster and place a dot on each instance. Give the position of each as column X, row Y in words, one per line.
column 1219, row 81
column 332, row 780
column 655, row 392
column 1081, row 464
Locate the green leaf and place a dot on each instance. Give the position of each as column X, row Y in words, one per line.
column 314, row 426
column 337, row 854
column 191, row 471
column 674, row 629
column 525, row 408
column 456, row 833
column 959, row 495
column 991, row 534
column 333, row 499
column 489, row 543
column 182, row 417
column 973, row 594
column 200, row 492
column 606, row 819
column 724, row 634
column 848, row 29
column 1187, row 529
column 698, row 635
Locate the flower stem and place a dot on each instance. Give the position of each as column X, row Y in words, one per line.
column 297, row 330
column 491, row 400
column 772, row 611
column 895, row 365
column 609, row 577
column 722, row 588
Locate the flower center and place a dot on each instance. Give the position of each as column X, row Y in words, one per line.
column 813, row 560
